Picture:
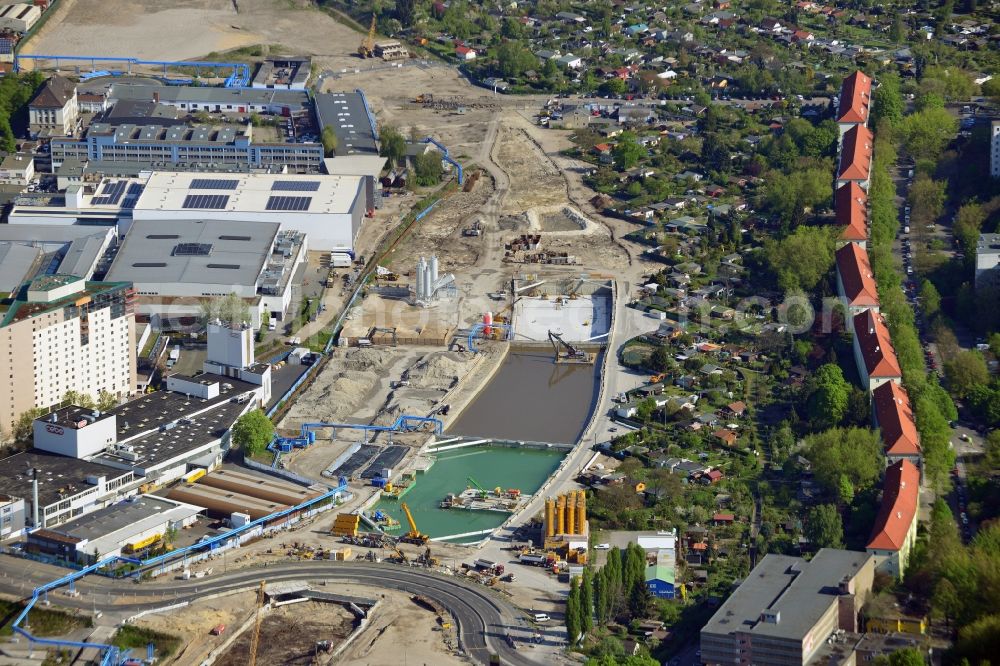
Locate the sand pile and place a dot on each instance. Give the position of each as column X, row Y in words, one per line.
column 440, row 370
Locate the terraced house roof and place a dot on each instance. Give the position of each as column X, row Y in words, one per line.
column 850, row 203
column 855, row 98
column 855, row 272
column 856, row 154
column 876, row 347
column 899, row 506
column 895, row 418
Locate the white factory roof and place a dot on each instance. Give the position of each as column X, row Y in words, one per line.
column 194, row 251
column 27, row 234
column 249, row 193
column 347, row 165
column 16, row 261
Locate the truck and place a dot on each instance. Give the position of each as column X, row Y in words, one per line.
column 340, row 260
column 533, row 559
column 489, row 566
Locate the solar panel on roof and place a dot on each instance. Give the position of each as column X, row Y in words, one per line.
column 208, row 201
column 192, row 249
column 213, row 184
column 288, row 203
column 295, row 185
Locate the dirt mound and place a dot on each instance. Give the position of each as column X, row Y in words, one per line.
column 439, row 370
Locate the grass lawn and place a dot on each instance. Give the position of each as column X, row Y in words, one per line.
column 42, row 621
column 136, row 638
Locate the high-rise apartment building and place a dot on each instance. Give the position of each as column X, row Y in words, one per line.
column 995, row 149
column 61, row 333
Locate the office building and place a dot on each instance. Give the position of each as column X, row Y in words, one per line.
column 12, row 516
column 54, row 110
column 783, row 613
column 61, row 333
column 988, row 261
column 995, row 148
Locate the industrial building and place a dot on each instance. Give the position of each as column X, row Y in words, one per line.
column 106, row 203
column 174, row 266
column 19, row 17
column 12, row 516
column 283, row 72
column 328, row 209
column 73, row 249
column 661, row 560
column 124, row 528
column 163, row 146
column 786, row 609
column 351, row 119
column 226, row 492
column 67, row 487
column 63, row 333
column 18, row 264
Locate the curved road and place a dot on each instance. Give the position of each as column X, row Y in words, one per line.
column 483, row 620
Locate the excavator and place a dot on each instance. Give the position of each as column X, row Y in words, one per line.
column 367, row 48
column 571, row 352
column 414, row 536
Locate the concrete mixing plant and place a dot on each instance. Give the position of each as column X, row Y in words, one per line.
column 429, row 286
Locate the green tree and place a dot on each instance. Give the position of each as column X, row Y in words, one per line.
column 935, row 437
column 513, row 59
column 79, row 399
column 427, row 168
column 930, row 300
column 888, row 101
column 24, row 426
column 823, row 527
column 573, row 623
column 639, row 600
column 587, row 600
column 252, row 432
column 803, row 258
column 979, row 642
column 406, row 12
column 854, row 454
column 602, row 600
column 393, row 145
column 106, row 400
column 966, row 371
column 659, row 360
column 904, row 657
column 790, row 196
column 927, row 132
column 229, row 309
column 329, row 138
column 827, row 403
column 613, row 87
column 628, row 151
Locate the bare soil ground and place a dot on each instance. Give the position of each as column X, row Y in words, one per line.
column 288, row 634
column 193, row 624
column 534, row 179
column 403, row 632
column 190, row 29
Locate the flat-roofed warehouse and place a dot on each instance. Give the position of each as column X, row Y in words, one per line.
column 175, row 264
column 271, row 489
column 121, row 528
column 328, row 209
column 19, row 17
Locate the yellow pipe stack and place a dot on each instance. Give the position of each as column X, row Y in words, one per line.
column 581, row 511
column 570, row 512
column 550, row 509
column 561, row 515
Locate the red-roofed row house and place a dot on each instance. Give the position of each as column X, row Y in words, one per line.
column 895, row 528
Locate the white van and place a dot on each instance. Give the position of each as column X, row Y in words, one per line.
column 541, row 617
column 272, row 325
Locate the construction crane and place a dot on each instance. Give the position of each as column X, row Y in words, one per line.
column 571, row 351
column 367, row 48
column 255, row 636
column 414, row 535
column 482, row 491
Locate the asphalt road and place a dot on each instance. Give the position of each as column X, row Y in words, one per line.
column 482, row 618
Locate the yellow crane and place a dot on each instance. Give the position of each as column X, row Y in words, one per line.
column 414, row 535
column 255, row 636
column 367, row 48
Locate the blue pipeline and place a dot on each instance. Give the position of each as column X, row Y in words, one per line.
column 478, row 328
column 111, row 652
column 240, row 77
column 405, row 423
column 446, row 156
